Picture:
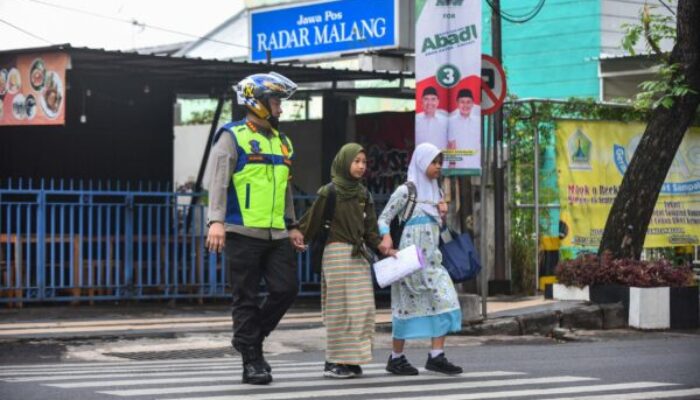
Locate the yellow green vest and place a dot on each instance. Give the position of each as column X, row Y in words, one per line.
column 256, row 198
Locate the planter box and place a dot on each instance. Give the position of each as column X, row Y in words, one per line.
column 604, row 294
column 684, row 308
column 563, row 292
column 663, row 308
column 650, row 308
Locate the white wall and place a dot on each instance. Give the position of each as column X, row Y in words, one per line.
column 614, row 13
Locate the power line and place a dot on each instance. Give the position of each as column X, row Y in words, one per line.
column 136, row 23
column 663, row 3
column 25, row 31
column 518, row 19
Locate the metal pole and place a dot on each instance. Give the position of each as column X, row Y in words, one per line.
column 537, row 198
column 205, row 158
column 498, row 178
column 484, row 276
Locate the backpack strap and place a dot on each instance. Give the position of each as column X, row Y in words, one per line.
column 411, row 205
column 329, row 208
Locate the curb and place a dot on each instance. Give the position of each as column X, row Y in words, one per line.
column 587, row 317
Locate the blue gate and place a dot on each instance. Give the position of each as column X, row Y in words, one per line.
column 76, row 241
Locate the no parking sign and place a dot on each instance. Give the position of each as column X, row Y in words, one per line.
column 493, row 85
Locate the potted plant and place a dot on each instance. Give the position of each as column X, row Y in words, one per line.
column 574, row 278
column 656, row 294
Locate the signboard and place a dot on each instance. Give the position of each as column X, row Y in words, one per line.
column 493, row 85
column 448, row 81
column 323, row 28
column 592, row 158
column 32, row 89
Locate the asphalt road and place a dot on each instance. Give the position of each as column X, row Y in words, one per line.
column 606, row 366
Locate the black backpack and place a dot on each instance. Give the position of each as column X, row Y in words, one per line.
column 318, row 244
column 399, row 222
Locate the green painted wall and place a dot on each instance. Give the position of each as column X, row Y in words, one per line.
column 554, row 54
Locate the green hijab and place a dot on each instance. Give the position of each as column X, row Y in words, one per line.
column 346, row 186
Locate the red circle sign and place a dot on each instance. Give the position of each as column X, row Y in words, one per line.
column 493, row 85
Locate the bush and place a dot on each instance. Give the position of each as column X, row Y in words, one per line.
column 591, row 269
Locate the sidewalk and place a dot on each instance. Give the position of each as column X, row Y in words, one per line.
column 68, row 322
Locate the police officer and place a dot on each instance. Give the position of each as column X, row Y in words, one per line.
column 251, row 216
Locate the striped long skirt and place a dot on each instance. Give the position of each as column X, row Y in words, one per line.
column 347, row 299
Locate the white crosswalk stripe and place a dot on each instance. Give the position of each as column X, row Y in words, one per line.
column 369, row 379
column 219, row 379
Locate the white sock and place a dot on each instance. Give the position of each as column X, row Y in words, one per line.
column 394, row 356
column 435, row 353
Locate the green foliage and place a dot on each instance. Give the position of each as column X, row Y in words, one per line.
column 522, row 120
column 671, row 82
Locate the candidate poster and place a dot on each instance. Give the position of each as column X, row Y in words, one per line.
column 448, row 81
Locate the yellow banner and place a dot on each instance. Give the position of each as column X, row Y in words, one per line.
column 592, row 158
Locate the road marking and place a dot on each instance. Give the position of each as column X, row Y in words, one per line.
column 397, row 389
column 541, row 392
column 232, row 378
column 229, row 371
column 639, row 396
column 118, row 363
column 139, row 367
column 365, row 380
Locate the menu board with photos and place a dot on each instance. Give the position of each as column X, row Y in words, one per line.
column 32, row 89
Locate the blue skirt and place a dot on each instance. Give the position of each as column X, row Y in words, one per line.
column 427, row 327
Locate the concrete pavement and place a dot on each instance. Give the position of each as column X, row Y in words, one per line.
column 506, row 316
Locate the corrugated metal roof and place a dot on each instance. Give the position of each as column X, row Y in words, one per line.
column 196, row 75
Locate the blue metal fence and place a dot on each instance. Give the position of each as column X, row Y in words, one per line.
column 75, row 240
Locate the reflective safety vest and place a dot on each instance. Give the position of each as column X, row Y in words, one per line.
column 256, row 198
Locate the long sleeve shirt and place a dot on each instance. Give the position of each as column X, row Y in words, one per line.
column 222, row 162
column 354, row 221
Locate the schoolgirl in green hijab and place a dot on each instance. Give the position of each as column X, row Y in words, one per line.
column 347, row 294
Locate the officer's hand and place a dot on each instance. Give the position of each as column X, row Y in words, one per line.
column 216, row 237
column 297, row 239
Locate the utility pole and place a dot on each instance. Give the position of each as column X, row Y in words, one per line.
column 501, row 283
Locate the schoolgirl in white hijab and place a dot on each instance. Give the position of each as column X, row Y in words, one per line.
column 424, row 305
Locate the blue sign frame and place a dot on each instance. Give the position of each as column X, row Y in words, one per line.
column 323, row 28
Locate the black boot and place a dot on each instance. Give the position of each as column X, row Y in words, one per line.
column 267, row 366
column 254, row 371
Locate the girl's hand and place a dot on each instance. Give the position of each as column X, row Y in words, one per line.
column 442, row 209
column 386, row 245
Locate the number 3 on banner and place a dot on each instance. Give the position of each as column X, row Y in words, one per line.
column 448, row 75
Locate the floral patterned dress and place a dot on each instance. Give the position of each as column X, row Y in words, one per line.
column 425, row 303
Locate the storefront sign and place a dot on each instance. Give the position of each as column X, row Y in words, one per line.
column 32, row 89
column 448, row 81
column 323, row 29
column 592, row 158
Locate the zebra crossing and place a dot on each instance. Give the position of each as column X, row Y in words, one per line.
column 219, row 379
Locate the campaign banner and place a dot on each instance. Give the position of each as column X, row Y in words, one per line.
column 448, row 81
column 323, row 28
column 592, row 158
column 32, row 89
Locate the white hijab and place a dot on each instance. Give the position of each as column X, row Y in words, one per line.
column 427, row 190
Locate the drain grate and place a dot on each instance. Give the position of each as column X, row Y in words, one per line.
column 216, row 352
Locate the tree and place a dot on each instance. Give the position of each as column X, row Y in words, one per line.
column 675, row 101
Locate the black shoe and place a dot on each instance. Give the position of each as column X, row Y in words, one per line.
column 337, row 371
column 440, row 364
column 356, row 370
column 400, row 366
column 254, row 371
